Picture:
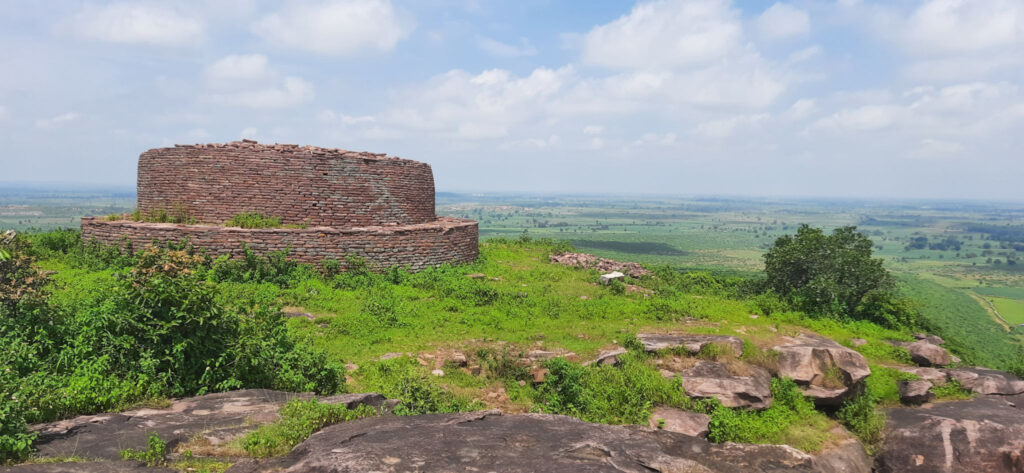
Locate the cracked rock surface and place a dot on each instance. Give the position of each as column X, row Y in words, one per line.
column 488, row 441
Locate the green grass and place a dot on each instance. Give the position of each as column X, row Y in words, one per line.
column 299, row 419
column 969, row 329
column 1010, row 309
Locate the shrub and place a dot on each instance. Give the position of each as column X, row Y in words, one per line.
column 299, row 419
column 790, row 420
column 952, row 391
column 154, row 455
column 274, row 267
column 254, row 220
column 623, row 394
column 403, row 379
column 861, row 416
column 15, row 439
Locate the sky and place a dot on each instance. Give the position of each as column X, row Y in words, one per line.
column 838, row 98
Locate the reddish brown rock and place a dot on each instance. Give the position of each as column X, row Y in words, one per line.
column 693, row 343
column 709, row 379
column 584, row 260
column 827, row 371
column 689, row 423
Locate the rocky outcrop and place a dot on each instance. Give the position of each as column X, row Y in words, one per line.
column 925, row 353
column 985, row 434
column 709, row 379
column 915, row 392
column 522, row 443
column 693, row 343
column 604, row 265
column 217, row 417
column 934, row 375
column 693, row 424
column 607, row 357
column 986, row 381
column 827, row 371
column 933, row 339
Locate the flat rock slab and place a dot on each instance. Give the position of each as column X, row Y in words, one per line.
column 693, row 344
column 985, row 434
column 709, row 379
column 808, row 358
column 487, row 441
column 693, row 424
column 986, row 381
column 934, row 375
column 103, row 436
column 87, row 467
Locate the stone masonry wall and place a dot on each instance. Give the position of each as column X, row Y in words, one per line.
column 445, row 240
column 318, row 186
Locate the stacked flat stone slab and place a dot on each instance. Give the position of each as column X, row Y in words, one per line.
column 378, row 207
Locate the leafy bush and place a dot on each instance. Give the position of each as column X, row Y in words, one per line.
column 15, row 439
column 835, row 275
column 790, row 420
column 882, row 384
column 623, row 394
column 254, row 220
column 178, row 213
column 299, row 419
column 273, row 267
column 861, row 416
column 156, row 330
column 154, row 455
column 951, row 391
column 403, row 379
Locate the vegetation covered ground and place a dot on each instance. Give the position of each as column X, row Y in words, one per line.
column 98, row 330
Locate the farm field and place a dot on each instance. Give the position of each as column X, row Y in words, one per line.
column 967, row 282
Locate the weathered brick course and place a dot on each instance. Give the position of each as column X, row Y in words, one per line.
column 445, row 240
column 377, row 207
column 300, row 184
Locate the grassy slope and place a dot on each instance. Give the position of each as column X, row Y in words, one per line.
column 964, row 321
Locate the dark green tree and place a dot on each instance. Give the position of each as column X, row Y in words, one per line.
column 835, row 275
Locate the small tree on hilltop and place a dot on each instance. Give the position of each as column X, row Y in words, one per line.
column 835, row 275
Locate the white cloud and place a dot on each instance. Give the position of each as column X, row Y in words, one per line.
column 137, row 23
column 726, row 127
column 665, row 139
column 931, row 148
column 57, row 121
column 335, row 27
column 483, row 106
column 963, row 26
column 249, row 81
column 800, row 109
column 232, row 69
column 497, row 48
column 249, row 133
column 665, row 34
column 865, row 118
column 593, row 130
column 783, row 21
column 3, row 113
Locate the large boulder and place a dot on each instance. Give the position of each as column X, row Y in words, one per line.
column 689, row 423
column 933, row 339
column 986, row 381
column 985, row 434
column 826, row 371
column 709, row 379
column 218, row 417
column 693, row 343
column 933, row 375
column 925, row 353
column 915, row 392
column 521, row 443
